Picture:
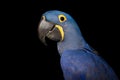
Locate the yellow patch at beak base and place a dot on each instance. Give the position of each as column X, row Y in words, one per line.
column 61, row 31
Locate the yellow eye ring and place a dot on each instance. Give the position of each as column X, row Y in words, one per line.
column 62, row 18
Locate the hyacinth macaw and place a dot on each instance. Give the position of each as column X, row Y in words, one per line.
column 78, row 59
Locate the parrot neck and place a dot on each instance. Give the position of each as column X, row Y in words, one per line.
column 72, row 41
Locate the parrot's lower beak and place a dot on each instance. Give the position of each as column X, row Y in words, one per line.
column 49, row 30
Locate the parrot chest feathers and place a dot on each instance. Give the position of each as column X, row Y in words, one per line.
column 84, row 65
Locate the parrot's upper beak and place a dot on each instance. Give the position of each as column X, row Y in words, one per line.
column 49, row 30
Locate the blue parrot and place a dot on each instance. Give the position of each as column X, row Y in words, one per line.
column 78, row 60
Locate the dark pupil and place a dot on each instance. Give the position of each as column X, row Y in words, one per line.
column 62, row 18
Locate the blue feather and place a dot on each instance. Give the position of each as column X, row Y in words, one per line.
column 84, row 65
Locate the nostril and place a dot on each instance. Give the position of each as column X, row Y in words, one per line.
column 43, row 18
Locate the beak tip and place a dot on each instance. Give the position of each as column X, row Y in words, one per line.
column 43, row 41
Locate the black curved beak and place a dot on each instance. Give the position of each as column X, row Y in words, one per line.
column 49, row 30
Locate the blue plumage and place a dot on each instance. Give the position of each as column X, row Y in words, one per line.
column 84, row 65
column 78, row 60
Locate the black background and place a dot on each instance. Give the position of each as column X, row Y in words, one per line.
column 26, row 57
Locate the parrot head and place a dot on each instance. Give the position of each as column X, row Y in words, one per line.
column 56, row 25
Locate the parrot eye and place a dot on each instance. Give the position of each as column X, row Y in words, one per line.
column 62, row 18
